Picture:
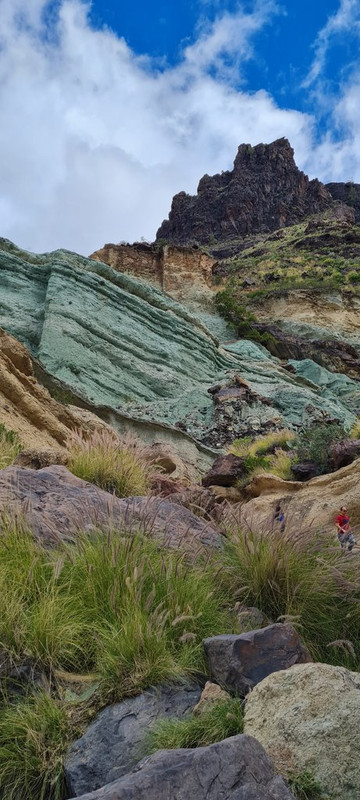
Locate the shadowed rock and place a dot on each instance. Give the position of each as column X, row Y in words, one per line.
column 234, row 769
column 225, row 471
column 111, row 746
column 238, row 663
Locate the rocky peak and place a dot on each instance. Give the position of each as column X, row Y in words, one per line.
column 264, row 191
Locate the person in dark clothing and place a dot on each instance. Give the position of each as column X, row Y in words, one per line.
column 279, row 517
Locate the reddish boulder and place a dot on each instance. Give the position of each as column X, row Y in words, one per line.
column 225, row 471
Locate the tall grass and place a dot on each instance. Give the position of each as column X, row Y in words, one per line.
column 266, row 453
column 34, row 735
column 302, row 577
column 114, row 465
column 9, row 446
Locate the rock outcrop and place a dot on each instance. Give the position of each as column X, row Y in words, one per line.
column 239, row 662
column 134, row 354
column 308, row 720
column 265, row 191
column 26, row 407
column 233, row 769
column 184, row 273
column 56, row 505
column 313, row 504
column 111, row 746
column 348, row 193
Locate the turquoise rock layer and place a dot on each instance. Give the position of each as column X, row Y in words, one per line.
column 116, row 341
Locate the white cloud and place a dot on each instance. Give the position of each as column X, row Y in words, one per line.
column 95, row 141
column 346, row 20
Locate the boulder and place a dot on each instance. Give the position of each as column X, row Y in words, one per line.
column 304, row 472
column 112, row 744
column 239, row 662
column 225, row 471
column 308, row 719
column 234, row 769
column 56, row 505
column 344, row 453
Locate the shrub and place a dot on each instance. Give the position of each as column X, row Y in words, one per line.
column 223, row 719
column 34, row 735
column 265, row 453
column 9, row 446
column 114, row 465
column 315, row 443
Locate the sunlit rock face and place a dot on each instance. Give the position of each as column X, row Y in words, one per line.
column 118, row 342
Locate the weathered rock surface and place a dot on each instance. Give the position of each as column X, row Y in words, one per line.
column 210, row 696
column 138, row 357
column 234, row 769
column 111, row 746
column 225, row 471
column 184, row 273
column 308, row 719
column 348, row 193
column 239, row 662
column 25, row 406
column 57, row 506
column 313, row 504
column 263, row 192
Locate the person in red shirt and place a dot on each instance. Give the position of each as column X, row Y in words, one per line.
column 345, row 537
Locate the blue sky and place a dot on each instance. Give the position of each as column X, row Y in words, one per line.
column 109, row 108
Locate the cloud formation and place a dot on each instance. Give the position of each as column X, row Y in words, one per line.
column 95, row 140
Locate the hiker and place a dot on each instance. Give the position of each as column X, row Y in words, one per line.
column 345, row 537
column 279, row 517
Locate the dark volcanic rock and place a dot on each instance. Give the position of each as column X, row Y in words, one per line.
column 348, row 193
column 225, row 471
column 56, row 505
column 304, row 472
column 111, row 746
column 265, row 191
column 239, row 662
column 344, row 453
column 234, row 769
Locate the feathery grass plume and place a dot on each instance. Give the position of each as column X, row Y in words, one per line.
column 297, row 574
column 115, row 465
column 220, row 720
column 9, row 446
column 34, row 736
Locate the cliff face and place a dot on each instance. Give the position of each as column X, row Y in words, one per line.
column 184, row 273
column 265, row 191
column 348, row 193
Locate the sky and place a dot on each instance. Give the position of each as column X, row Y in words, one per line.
column 109, row 108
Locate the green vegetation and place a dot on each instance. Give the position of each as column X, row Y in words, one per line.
column 115, row 466
column 298, row 576
column 305, row 787
column 315, row 443
column 9, row 446
column 267, row 453
column 34, row 735
column 222, row 719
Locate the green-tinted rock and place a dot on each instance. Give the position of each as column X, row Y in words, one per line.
column 118, row 342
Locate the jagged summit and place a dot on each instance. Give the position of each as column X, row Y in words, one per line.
column 263, row 192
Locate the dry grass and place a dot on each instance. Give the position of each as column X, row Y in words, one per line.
column 9, row 446
column 115, row 465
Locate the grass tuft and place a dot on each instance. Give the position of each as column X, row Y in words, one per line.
column 114, row 465
column 9, row 446
column 34, row 735
column 223, row 719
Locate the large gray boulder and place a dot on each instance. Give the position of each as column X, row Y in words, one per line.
column 239, row 662
column 308, row 720
column 57, row 505
column 111, row 746
column 234, row 769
